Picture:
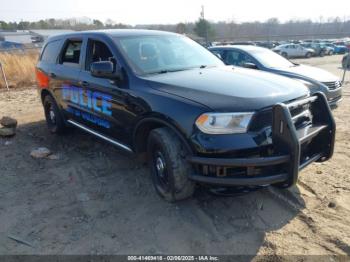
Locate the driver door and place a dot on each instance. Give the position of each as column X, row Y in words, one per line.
column 105, row 102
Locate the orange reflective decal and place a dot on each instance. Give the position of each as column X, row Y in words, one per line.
column 42, row 79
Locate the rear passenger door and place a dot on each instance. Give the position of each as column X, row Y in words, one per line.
column 64, row 76
column 293, row 51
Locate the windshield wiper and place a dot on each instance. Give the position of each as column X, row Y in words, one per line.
column 164, row 71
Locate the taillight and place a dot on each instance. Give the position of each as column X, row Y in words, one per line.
column 42, row 79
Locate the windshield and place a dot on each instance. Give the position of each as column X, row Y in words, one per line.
column 272, row 60
column 166, row 53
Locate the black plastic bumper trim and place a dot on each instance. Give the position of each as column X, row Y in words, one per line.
column 309, row 161
column 240, row 162
column 249, row 181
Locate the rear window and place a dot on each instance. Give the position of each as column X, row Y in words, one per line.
column 50, row 53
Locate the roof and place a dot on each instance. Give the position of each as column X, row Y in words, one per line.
column 241, row 47
column 121, row 32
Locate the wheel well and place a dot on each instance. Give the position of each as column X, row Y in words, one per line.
column 142, row 133
column 143, row 130
column 44, row 93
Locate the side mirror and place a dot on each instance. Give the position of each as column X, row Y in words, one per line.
column 105, row 69
column 250, row 65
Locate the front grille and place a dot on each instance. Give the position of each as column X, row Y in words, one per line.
column 261, row 120
column 332, row 85
column 301, row 116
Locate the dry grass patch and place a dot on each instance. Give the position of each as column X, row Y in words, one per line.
column 19, row 68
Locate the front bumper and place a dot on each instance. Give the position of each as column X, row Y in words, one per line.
column 292, row 149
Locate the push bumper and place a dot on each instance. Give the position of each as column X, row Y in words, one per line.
column 292, row 149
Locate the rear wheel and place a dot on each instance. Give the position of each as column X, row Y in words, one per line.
column 54, row 119
column 168, row 164
column 308, row 55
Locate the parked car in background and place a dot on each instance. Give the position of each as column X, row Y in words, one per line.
column 338, row 49
column 319, row 50
column 293, row 50
column 243, row 43
column 346, row 61
column 8, row 45
column 343, row 43
column 263, row 59
column 266, row 44
column 329, row 50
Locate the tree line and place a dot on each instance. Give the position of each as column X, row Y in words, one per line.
column 271, row 29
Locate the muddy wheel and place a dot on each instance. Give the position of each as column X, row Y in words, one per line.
column 54, row 119
column 169, row 168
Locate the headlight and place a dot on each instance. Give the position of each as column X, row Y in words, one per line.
column 224, row 123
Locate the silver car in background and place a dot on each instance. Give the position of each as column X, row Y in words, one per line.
column 294, row 50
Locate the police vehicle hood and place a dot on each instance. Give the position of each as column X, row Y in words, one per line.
column 229, row 88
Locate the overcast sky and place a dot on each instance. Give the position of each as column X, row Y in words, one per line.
column 172, row 11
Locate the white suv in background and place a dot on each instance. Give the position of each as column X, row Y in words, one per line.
column 294, row 50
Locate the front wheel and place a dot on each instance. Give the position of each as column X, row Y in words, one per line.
column 285, row 55
column 168, row 164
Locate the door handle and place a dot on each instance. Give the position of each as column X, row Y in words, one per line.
column 53, row 75
column 84, row 83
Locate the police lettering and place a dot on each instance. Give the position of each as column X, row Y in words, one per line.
column 96, row 101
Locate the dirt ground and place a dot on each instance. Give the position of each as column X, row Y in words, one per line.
column 96, row 200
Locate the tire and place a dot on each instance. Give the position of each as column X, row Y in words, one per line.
column 284, row 54
column 168, row 165
column 53, row 115
column 330, row 53
column 322, row 53
column 308, row 55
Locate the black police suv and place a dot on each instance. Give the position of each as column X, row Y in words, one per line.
column 196, row 120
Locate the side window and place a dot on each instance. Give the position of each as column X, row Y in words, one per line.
column 232, row 58
column 71, row 53
column 218, row 53
column 97, row 51
column 50, row 53
column 247, row 59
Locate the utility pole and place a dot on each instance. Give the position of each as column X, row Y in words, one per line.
column 347, row 63
column 206, row 26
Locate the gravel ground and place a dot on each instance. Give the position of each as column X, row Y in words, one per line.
column 94, row 199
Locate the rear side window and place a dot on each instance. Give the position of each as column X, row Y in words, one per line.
column 71, row 53
column 50, row 53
